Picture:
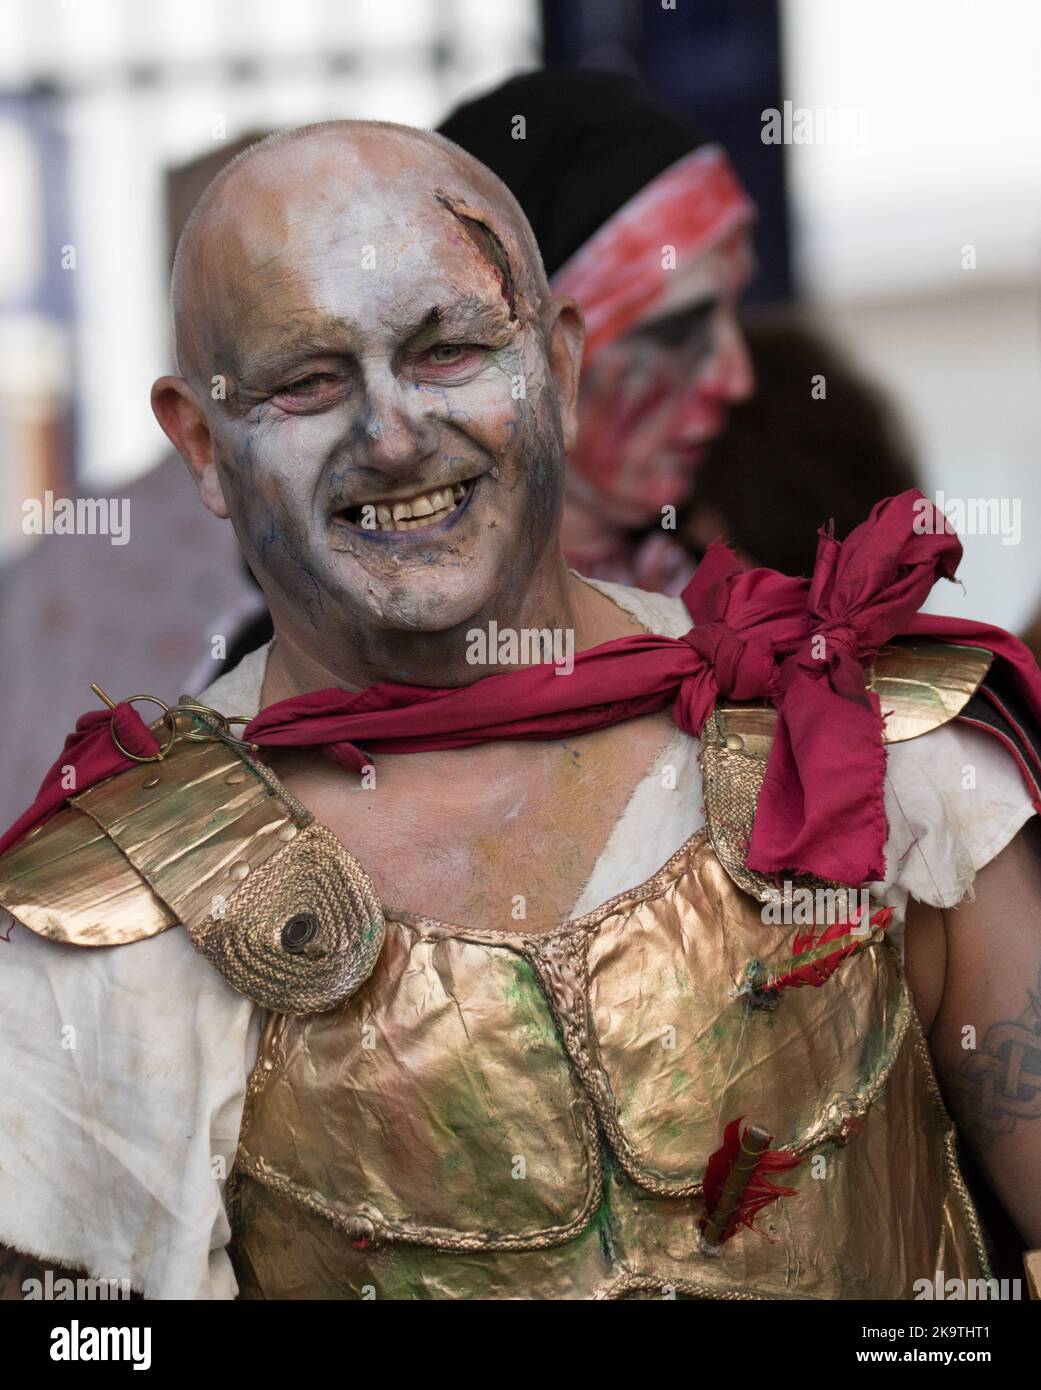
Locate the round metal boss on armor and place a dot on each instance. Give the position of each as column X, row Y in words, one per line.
column 298, row 931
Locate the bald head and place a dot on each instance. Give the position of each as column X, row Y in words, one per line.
column 356, row 178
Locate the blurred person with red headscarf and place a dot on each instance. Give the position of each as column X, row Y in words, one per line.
column 647, row 226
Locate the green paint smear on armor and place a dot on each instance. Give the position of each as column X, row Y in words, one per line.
column 417, row 1272
column 530, row 1013
column 466, row 1111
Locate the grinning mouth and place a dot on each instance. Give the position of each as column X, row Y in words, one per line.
column 416, row 513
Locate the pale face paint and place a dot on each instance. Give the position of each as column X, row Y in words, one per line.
column 373, row 353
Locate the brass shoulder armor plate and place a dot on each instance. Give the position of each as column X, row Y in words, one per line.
column 920, row 684
column 210, row 839
column 68, row 881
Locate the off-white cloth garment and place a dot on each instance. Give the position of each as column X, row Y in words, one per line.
column 123, row 1069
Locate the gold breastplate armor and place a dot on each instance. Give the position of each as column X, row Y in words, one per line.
column 497, row 1115
column 438, row 1112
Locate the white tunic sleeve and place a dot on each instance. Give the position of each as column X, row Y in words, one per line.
column 123, row 1075
column 122, row 1079
column 954, row 800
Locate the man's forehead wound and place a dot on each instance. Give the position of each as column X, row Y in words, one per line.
column 488, row 243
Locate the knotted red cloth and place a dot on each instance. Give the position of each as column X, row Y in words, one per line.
column 801, row 643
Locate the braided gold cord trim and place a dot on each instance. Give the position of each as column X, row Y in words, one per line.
column 436, row 1237
column 562, row 968
column 271, row 1038
column 732, row 782
column 950, row 1141
column 647, row 1283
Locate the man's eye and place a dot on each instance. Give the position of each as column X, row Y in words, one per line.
column 315, row 390
column 305, row 385
column 452, row 355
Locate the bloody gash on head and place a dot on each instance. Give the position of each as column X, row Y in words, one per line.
column 375, row 385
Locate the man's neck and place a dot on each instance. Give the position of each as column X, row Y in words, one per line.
column 566, row 604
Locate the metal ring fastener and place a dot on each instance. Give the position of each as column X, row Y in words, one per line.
column 167, row 719
column 192, row 708
column 186, row 706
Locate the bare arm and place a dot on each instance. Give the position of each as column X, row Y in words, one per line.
column 984, row 1020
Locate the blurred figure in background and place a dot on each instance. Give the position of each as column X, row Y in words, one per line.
column 648, row 227
column 148, row 610
column 815, row 443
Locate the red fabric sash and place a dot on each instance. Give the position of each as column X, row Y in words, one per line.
column 801, row 643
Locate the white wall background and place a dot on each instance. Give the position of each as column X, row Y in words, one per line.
column 952, row 159
column 124, row 133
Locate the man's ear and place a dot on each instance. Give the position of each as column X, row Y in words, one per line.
column 565, row 336
column 184, row 423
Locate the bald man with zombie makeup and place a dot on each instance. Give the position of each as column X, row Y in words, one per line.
column 396, row 971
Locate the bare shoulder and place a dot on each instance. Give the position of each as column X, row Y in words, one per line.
column 951, row 952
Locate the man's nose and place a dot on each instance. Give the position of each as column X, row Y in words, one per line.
column 398, row 428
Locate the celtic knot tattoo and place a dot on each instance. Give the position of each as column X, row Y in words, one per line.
column 1000, row 1083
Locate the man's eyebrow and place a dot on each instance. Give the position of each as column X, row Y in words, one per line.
column 341, row 338
column 328, row 340
column 466, row 315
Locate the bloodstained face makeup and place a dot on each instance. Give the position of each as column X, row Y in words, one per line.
column 652, row 401
column 390, row 445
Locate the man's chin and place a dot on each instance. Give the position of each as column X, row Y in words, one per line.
column 414, row 605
